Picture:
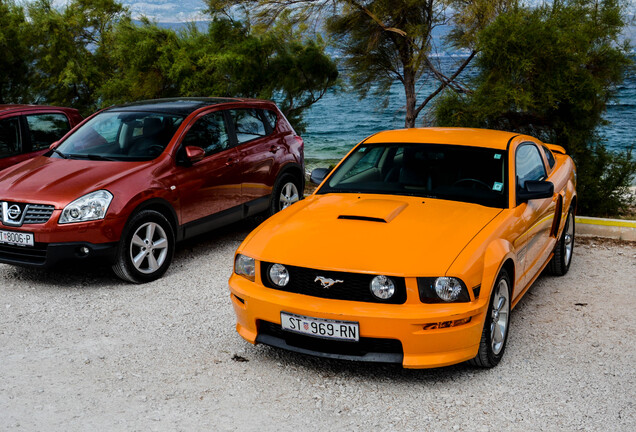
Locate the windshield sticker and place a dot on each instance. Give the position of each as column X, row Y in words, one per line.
column 497, row 186
column 497, row 155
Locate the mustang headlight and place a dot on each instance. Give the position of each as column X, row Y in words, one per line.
column 442, row 290
column 382, row 287
column 92, row 206
column 279, row 275
column 244, row 266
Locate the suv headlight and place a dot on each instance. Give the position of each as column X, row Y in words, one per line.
column 442, row 290
column 245, row 266
column 92, row 206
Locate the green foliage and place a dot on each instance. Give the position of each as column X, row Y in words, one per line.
column 550, row 72
column 15, row 55
column 231, row 60
column 90, row 54
column 139, row 58
column 603, row 181
column 67, row 46
column 383, row 40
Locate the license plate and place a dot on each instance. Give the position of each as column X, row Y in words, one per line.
column 16, row 238
column 323, row 328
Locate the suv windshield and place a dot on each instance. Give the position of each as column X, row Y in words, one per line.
column 134, row 136
column 458, row 173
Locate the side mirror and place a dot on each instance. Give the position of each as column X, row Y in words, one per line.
column 194, row 153
column 535, row 189
column 53, row 145
column 318, row 175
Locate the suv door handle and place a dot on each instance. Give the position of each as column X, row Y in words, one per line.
column 274, row 148
column 231, row 161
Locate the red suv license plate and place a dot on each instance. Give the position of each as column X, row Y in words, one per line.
column 16, row 238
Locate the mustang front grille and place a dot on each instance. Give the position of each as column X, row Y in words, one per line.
column 345, row 286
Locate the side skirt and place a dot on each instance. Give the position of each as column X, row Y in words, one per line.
column 226, row 217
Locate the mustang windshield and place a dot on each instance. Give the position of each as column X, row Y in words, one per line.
column 451, row 172
column 134, row 136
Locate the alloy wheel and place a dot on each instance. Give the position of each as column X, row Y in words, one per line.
column 288, row 195
column 499, row 317
column 149, row 247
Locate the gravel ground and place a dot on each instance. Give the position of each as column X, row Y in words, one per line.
column 80, row 350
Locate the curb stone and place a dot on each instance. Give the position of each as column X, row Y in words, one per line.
column 610, row 228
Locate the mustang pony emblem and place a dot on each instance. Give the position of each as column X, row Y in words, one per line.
column 326, row 282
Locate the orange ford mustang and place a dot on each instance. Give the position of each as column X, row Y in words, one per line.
column 413, row 250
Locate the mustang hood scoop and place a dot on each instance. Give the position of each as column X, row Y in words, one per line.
column 373, row 210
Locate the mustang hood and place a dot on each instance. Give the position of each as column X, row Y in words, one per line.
column 44, row 179
column 394, row 235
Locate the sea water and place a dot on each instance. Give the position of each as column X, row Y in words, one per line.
column 341, row 119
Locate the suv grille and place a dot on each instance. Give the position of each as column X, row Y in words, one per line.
column 354, row 286
column 38, row 213
column 27, row 213
column 24, row 255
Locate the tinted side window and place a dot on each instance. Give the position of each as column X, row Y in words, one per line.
column 271, row 117
column 529, row 165
column 46, row 128
column 209, row 133
column 247, row 124
column 549, row 156
column 10, row 137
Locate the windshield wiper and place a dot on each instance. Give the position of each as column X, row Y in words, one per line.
column 60, row 153
column 91, row 157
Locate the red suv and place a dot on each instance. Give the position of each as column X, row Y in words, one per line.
column 28, row 130
column 134, row 179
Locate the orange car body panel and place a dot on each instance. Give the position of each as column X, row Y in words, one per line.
column 423, row 237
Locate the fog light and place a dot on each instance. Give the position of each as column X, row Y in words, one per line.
column 382, row 287
column 279, row 275
column 83, row 251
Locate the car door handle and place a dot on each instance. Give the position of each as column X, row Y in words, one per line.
column 231, row 161
column 274, row 148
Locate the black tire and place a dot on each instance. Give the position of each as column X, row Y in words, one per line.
column 280, row 193
column 150, row 237
column 491, row 346
column 562, row 258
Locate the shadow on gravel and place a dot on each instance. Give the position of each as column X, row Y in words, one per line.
column 366, row 372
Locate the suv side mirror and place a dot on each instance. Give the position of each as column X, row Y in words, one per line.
column 535, row 189
column 318, row 175
column 194, row 153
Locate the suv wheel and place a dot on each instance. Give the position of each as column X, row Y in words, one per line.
column 286, row 192
column 145, row 249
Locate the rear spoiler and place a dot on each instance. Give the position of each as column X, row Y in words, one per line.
column 556, row 148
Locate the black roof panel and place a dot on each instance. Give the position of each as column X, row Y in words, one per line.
column 182, row 106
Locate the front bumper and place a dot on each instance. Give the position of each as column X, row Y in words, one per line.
column 44, row 255
column 256, row 305
column 62, row 242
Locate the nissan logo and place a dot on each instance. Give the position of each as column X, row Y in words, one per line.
column 14, row 212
